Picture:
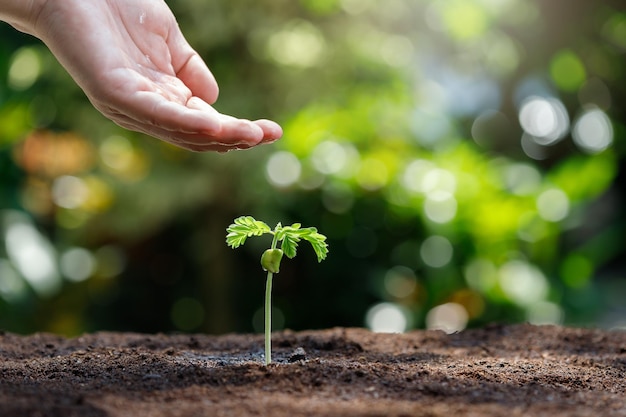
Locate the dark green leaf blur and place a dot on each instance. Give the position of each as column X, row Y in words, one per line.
column 465, row 159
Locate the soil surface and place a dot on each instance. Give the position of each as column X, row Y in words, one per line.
column 518, row 370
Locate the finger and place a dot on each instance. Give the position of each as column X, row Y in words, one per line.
column 191, row 69
column 232, row 130
column 151, row 108
column 196, row 143
column 271, row 130
column 199, row 79
column 197, row 124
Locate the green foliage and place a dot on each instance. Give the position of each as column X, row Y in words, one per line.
column 403, row 140
column 246, row 226
column 243, row 228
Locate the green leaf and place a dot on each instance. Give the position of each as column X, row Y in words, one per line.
column 291, row 235
column 243, row 228
column 290, row 244
column 318, row 241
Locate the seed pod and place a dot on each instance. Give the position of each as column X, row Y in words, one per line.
column 270, row 260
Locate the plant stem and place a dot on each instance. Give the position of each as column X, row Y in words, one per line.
column 268, row 319
column 268, row 310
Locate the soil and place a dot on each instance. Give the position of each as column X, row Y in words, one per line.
column 518, row 370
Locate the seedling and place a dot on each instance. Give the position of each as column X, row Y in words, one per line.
column 288, row 238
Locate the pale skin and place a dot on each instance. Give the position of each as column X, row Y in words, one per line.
column 135, row 66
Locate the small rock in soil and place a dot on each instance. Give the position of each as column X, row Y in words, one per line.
column 298, row 355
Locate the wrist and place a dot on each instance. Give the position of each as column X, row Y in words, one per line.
column 21, row 14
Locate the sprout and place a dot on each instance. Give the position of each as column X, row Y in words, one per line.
column 288, row 238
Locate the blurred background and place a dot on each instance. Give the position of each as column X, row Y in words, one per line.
column 465, row 159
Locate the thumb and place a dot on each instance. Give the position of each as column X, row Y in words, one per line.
column 198, row 78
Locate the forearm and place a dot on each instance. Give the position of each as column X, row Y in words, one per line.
column 21, row 14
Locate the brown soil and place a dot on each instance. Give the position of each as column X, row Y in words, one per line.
column 517, row 370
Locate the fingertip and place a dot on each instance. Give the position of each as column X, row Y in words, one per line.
column 212, row 95
column 238, row 132
column 271, row 130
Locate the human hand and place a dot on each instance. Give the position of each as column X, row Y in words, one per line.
column 133, row 63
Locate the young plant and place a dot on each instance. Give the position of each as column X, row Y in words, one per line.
column 285, row 236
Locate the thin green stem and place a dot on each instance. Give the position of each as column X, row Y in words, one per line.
column 268, row 319
column 268, row 310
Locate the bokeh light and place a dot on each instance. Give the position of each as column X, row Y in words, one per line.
column 440, row 206
column 522, row 178
column 372, row 174
column 553, row 205
column 436, row 251
column 544, row 119
column 77, row 264
column 386, row 318
column 448, row 317
column 568, row 71
column 400, row 282
column 523, row 283
column 69, row 191
column 32, row 253
column 283, row 169
column 298, row 44
column 577, row 270
column 51, row 155
column 110, row 261
column 481, row 275
column 24, row 69
column 122, row 159
column 593, row 131
column 330, row 157
column 545, row 312
column 12, row 286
